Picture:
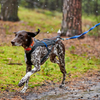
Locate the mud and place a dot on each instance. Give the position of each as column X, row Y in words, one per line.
column 84, row 88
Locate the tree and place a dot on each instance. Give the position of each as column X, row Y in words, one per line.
column 9, row 10
column 71, row 22
column 96, row 8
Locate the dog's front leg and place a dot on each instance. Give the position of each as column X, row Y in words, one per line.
column 28, row 68
column 25, row 78
column 28, row 74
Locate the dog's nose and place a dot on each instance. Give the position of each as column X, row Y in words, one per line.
column 12, row 42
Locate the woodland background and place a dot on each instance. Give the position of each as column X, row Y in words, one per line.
column 82, row 55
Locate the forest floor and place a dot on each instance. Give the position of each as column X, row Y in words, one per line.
column 80, row 88
column 87, row 86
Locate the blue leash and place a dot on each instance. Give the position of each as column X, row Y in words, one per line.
column 77, row 36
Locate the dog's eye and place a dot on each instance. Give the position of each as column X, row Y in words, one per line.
column 15, row 34
column 21, row 36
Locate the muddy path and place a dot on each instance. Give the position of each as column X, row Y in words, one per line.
column 85, row 88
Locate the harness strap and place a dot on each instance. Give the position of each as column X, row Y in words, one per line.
column 45, row 44
column 40, row 43
column 49, row 50
column 28, row 55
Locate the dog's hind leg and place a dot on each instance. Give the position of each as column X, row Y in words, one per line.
column 61, row 63
column 61, row 56
column 53, row 59
column 62, row 68
column 28, row 68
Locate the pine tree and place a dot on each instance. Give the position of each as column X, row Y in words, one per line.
column 72, row 22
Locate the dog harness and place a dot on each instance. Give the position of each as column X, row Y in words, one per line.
column 48, row 42
column 43, row 43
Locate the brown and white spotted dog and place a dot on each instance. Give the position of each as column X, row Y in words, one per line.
column 24, row 39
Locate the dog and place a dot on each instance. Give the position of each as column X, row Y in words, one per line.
column 25, row 39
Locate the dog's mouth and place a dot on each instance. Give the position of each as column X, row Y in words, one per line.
column 13, row 43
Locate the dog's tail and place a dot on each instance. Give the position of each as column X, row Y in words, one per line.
column 59, row 33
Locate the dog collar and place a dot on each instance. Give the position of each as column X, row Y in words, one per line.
column 30, row 47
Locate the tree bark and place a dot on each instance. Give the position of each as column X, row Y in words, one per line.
column 71, row 22
column 96, row 8
column 9, row 10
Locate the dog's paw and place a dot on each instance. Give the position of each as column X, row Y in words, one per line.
column 22, row 82
column 23, row 90
column 62, row 86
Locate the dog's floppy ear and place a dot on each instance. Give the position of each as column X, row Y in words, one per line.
column 33, row 34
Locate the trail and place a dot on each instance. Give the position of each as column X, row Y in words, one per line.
column 84, row 88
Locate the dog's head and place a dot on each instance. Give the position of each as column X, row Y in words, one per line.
column 23, row 38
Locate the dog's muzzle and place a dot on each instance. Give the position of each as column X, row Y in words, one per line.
column 13, row 43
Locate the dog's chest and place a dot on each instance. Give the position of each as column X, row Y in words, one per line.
column 37, row 55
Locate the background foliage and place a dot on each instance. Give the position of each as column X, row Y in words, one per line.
column 88, row 6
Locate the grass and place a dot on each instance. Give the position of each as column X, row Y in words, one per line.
column 88, row 22
column 43, row 19
column 12, row 63
column 50, row 22
column 91, row 18
column 47, row 21
column 13, row 68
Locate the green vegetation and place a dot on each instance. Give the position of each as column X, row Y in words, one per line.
column 43, row 19
column 91, row 18
column 13, row 68
column 50, row 22
column 12, row 63
column 47, row 21
column 90, row 21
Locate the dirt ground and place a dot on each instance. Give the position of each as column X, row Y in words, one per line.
column 84, row 88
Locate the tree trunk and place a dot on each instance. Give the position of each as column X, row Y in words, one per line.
column 9, row 10
column 96, row 8
column 46, row 4
column 71, row 23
